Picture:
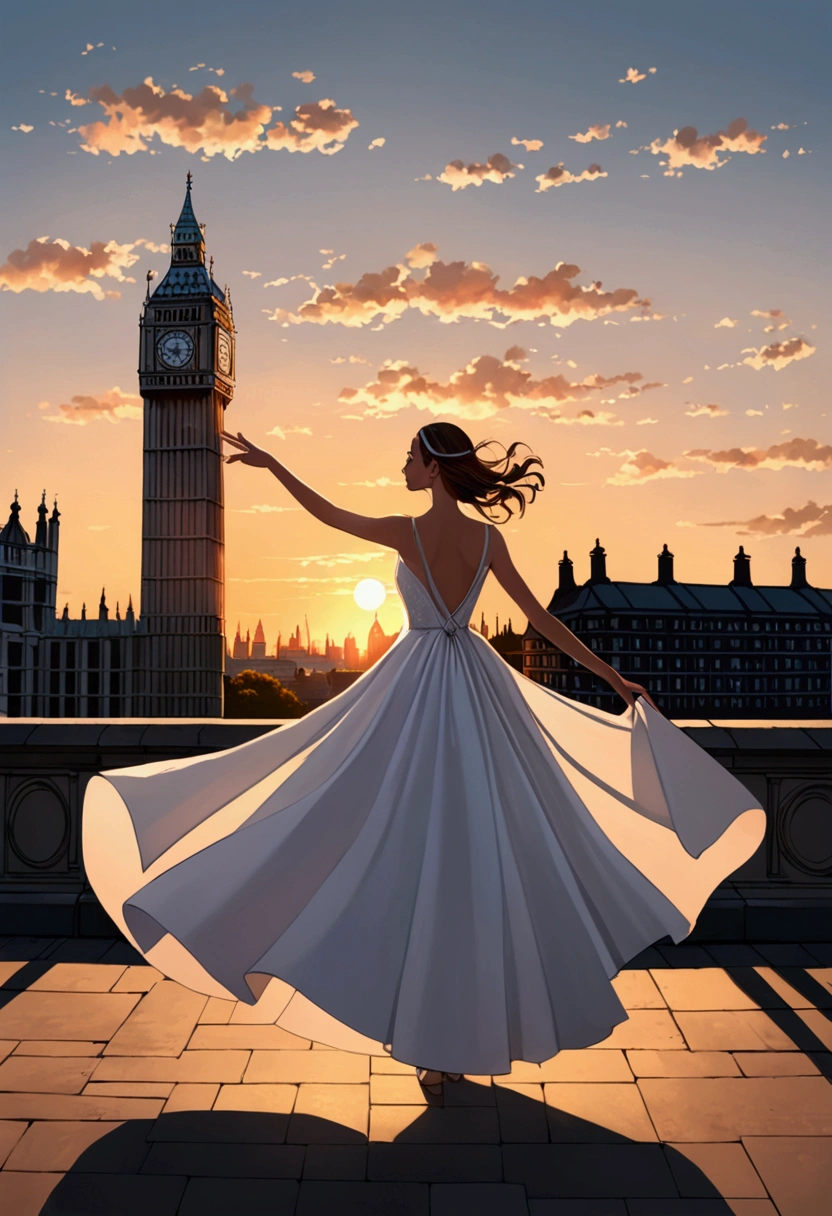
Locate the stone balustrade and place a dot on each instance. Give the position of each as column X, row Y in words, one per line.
column 783, row 893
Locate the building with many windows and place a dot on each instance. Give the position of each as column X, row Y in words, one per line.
column 702, row 650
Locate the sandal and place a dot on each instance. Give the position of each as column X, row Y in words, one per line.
column 435, row 1087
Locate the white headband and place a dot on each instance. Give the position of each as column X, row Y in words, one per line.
column 433, row 451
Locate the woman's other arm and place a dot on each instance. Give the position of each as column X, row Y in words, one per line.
column 551, row 628
column 384, row 530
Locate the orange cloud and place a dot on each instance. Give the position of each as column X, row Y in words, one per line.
column 204, row 122
column 727, row 323
column 485, row 386
column 707, row 411
column 685, row 147
column 46, row 265
column 458, row 175
column 377, row 143
column 773, row 314
column 634, row 76
column 317, row 124
column 421, row 256
column 778, row 354
column 531, row 145
column 811, row 520
column 794, row 453
column 306, row 76
column 452, row 291
column 642, row 466
column 595, row 132
column 558, row 176
column 113, row 406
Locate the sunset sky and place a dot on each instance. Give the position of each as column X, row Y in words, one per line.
column 435, row 211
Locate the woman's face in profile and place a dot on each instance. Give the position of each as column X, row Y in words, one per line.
column 415, row 470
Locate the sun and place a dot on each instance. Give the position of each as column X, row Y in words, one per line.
column 370, row 593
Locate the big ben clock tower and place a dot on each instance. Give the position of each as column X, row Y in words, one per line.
column 186, row 378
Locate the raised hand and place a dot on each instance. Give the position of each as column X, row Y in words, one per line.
column 629, row 691
column 247, row 451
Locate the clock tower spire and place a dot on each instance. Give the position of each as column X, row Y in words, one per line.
column 186, row 370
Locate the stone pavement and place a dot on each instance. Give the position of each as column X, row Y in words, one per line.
column 122, row 1092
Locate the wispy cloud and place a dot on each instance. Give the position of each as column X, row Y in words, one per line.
column 706, row 411
column 377, row 143
column 531, row 145
column 687, row 148
column 727, row 323
column 205, row 122
column 487, row 385
column 634, row 76
column 56, row 265
column 596, row 131
column 282, row 432
column 794, row 453
column 455, row 290
column 775, row 315
column 24, row 127
column 112, row 406
column 306, row 76
column 558, row 176
column 811, row 520
column 498, row 168
column 642, row 466
column 779, row 354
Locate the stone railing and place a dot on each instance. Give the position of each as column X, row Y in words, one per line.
column 784, row 892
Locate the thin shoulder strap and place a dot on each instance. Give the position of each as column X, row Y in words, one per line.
column 426, row 568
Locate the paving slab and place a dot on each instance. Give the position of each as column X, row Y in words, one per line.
column 126, row 1194
column 42, row 1074
column 220, row 1160
column 644, row 1028
column 252, row 1196
column 247, row 1037
column 222, row 1127
column 82, row 950
column 596, row 1113
column 363, row 1199
column 329, row 1114
column 191, row 1097
column 208, row 1067
column 217, row 1012
column 701, row 1109
column 435, row 1125
column 587, row 1065
column 336, row 1162
column 26, row 1194
column 398, row 1089
column 129, row 1089
column 701, row 988
column 705, row 1170
column 817, row 1022
column 577, row 1207
column 638, row 990
column 294, row 1067
column 776, row 1064
column 434, row 1162
column 797, row 1170
column 58, row 1047
column 521, row 1110
column 161, row 1024
column 91, row 1147
column 789, row 987
column 484, row 1198
column 10, row 1132
column 734, row 954
column 733, row 1030
column 65, row 1015
column 76, row 1106
column 138, row 979
column 77, row 977
column 683, row 1064
column 590, row 1171
column 276, row 1099
column 785, row 954
column 7, row 1046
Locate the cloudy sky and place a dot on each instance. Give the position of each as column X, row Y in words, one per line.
column 597, row 229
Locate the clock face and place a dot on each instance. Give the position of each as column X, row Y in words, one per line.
column 223, row 352
column 175, row 348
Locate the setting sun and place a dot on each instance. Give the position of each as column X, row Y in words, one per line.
column 370, row 594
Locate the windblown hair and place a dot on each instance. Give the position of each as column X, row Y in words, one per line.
column 485, row 484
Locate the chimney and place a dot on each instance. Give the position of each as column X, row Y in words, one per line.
column 598, row 563
column 665, row 566
column 742, row 570
column 798, row 571
column 566, row 575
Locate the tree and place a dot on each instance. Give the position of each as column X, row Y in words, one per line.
column 254, row 694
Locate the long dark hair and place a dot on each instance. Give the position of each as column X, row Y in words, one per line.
column 485, row 484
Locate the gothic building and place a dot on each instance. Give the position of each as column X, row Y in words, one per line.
column 702, row 650
column 170, row 661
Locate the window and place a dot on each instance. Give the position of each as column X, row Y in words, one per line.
column 15, row 654
column 12, row 587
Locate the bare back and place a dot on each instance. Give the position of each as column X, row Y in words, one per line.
column 453, row 551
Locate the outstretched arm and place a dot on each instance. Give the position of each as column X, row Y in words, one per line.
column 385, row 530
column 551, row 628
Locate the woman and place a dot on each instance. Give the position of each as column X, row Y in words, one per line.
column 446, row 863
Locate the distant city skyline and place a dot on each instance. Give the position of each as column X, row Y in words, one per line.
column 661, row 176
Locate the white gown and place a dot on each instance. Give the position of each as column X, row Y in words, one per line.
column 447, row 862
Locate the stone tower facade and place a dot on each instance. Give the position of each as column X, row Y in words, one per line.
column 186, row 377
